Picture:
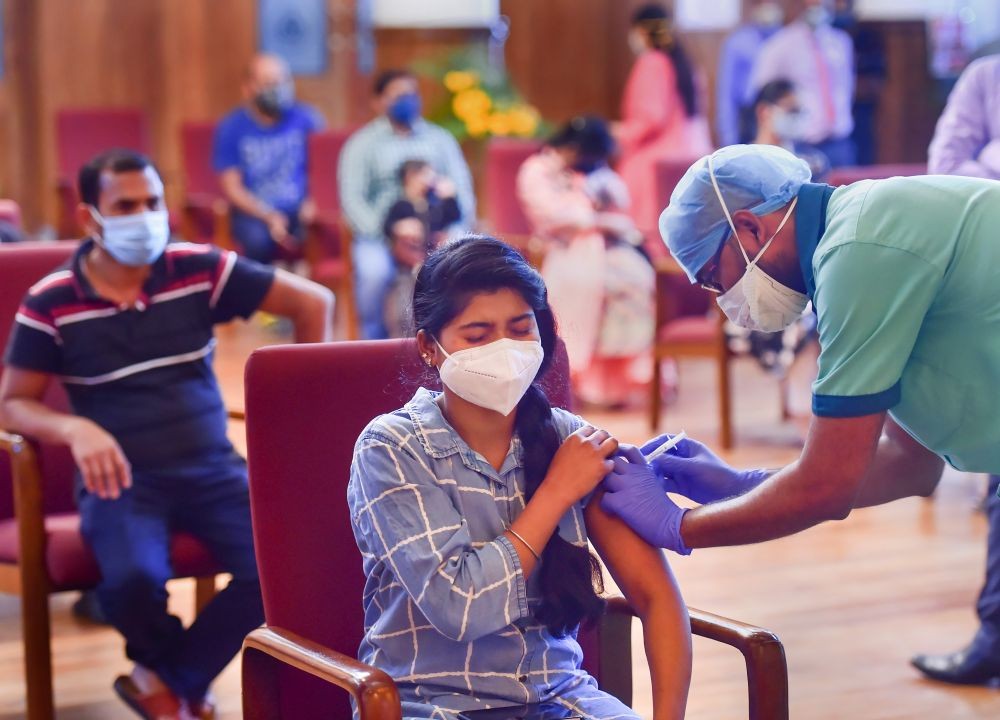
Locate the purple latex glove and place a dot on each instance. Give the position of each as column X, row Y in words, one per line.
column 635, row 494
column 692, row 470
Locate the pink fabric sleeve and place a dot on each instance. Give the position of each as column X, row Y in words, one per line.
column 554, row 208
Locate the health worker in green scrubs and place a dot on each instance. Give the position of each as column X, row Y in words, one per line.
column 904, row 277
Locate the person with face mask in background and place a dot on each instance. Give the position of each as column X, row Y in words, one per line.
column 663, row 111
column 260, row 155
column 494, row 572
column 600, row 286
column 902, row 276
column 819, row 60
column 127, row 327
column 735, row 65
column 778, row 120
column 368, row 179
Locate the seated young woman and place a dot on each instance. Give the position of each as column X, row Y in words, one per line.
column 472, row 508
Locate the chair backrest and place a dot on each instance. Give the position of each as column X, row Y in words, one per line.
column 81, row 133
column 306, row 405
column 21, row 266
column 848, row 175
column 324, row 154
column 667, row 174
column 196, row 157
column 504, row 157
column 10, row 212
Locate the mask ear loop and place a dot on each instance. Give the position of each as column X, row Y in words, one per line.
column 750, row 263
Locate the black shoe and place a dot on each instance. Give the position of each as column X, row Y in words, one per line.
column 960, row 668
column 88, row 609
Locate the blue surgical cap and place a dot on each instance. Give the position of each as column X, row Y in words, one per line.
column 758, row 178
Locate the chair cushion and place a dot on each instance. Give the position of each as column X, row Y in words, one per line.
column 327, row 270
column 71, row 565
column 689, row 330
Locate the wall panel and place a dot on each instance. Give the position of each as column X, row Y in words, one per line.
column 184, row 59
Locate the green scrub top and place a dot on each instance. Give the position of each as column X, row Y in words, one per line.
column 904, row 275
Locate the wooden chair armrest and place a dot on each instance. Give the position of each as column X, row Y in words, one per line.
column 374, row 692
column 28, row 507
column 767, row 670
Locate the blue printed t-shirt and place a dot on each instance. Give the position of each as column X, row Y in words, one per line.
column 271, row 158
column 903, row 277
column 143, row 373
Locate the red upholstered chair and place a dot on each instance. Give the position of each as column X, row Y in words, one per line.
column 504, row 157
column 41, row 549
column 205, row 216
column 306, row 405
column 848, row 175
column 328, row 241
column 668, row 174
column 81, row 133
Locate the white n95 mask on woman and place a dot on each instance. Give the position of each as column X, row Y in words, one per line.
column 493, row 376
column 757, row 301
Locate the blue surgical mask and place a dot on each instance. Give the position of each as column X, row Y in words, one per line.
column 817, row 16
column 787, row 124
column 134, row 240
column 405, row 109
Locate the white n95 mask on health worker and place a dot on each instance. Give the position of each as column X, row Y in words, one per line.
column 758, row 301
column 493, row 376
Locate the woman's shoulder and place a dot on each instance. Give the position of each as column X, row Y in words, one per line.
column 565, row 422
column 393, row 428
column 654, row 61
column 406, row 428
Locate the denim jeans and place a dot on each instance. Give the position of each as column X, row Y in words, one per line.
column 130, row 538
column 254, row 237
column 374, row 271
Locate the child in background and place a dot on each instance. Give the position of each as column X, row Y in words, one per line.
column 406, row 234
column 429, row 197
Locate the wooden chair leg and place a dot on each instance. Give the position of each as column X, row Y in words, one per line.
column 655, row 393
column 725, row 404
column 783, row 390
column 348, row 309
column 37, row 648
column 204, row 591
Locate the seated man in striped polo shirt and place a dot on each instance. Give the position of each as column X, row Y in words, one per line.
column 127, row 326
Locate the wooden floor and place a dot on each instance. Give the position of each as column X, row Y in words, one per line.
column 852, row 601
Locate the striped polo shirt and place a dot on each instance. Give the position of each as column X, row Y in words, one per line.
column 143, row 373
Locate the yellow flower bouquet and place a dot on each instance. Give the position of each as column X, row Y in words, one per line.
column 480, row 102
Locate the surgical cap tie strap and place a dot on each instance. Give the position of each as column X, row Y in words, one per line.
column 729, row 218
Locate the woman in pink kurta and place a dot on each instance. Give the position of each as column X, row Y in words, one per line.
column 600, row 287
column 661, row 118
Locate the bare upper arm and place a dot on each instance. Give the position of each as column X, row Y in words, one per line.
column 290, row 293
column 640, row 570
column 231, row 180
column 20, row 384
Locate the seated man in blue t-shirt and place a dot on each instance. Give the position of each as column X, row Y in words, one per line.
column 260, row 155
column 127, row 326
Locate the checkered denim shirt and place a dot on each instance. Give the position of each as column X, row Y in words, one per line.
column 448, row 612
